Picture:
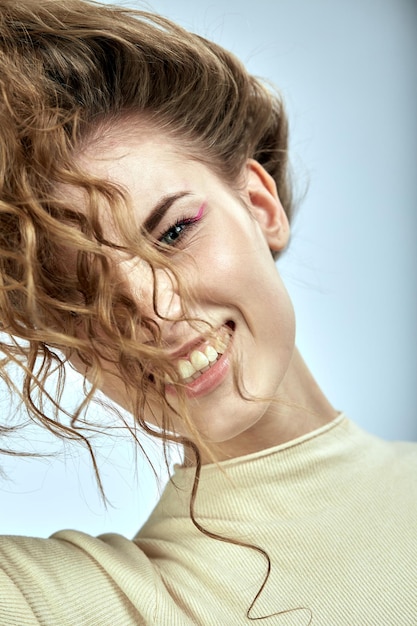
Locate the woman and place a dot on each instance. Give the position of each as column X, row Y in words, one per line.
column 144, row 199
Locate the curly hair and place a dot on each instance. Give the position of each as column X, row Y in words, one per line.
column 68, row 71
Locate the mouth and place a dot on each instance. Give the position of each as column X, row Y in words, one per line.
column 204, row 358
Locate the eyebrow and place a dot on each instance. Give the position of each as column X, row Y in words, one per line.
column 158, row 212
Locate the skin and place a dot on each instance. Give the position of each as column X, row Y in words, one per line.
column 226, row 260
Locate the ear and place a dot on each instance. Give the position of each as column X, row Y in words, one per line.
column 266, row 206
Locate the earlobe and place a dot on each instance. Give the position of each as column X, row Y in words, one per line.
column 266, row 206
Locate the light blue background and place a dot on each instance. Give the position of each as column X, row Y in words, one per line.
column 348, row 74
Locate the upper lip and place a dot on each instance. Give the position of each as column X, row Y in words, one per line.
column 187, row 348
column 194, row 344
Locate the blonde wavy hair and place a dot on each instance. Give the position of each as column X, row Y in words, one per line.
column 68, row 70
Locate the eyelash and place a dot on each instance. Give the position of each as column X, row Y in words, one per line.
column 182, row 229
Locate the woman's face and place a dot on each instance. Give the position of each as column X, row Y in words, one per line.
column 221, row 250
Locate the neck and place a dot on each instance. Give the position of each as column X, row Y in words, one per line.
column 298, row 408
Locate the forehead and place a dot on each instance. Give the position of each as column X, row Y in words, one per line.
column 145, row 163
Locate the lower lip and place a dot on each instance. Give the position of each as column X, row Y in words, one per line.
column 208, row 381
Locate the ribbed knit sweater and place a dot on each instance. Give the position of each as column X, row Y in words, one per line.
column 335, row 510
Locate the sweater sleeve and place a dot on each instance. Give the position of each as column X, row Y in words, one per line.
column 73, row 579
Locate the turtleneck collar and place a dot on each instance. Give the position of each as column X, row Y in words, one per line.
column 276, row 475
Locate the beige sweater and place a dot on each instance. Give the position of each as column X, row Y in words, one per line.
column 336, row 510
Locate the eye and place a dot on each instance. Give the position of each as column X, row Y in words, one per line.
column 181, row 229
column 175, row 232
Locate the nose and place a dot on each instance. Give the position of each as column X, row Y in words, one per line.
column 167, row 301
column 157, row 297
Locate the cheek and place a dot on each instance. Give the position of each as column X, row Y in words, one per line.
column 238, row 263
column 230, row 255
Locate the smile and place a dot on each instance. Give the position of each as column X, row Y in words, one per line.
column 200, row 361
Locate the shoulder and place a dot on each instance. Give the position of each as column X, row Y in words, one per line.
column 396, row 456
column 71, row 577
column 387, row 462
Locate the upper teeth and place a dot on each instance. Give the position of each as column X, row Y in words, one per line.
column 200, row 360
